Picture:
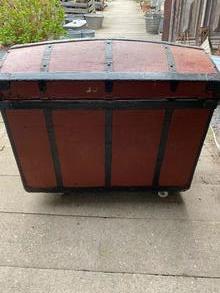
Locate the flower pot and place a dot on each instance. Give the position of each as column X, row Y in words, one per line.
column 88, row 33
column 80, row 33
column 94, row 20
column 73, row 34
column 145, row 7
column 152, row 21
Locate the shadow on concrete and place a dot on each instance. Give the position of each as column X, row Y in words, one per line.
column 118, row 204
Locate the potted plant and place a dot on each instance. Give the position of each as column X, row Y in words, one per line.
column 145, row 5
column 94, row 20
column 152, row 21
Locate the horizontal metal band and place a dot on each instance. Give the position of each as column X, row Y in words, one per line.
column 102, row 76
column 107, row 104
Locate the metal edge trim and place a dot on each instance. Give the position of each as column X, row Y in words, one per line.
column 111, row 189
column 104, row 39
column 115, row 76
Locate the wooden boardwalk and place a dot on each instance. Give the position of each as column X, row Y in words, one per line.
column 124, row 19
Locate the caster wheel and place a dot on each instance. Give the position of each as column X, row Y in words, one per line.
column 163, row 194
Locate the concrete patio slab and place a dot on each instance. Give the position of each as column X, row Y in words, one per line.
column 201, row 203
column 161, row 247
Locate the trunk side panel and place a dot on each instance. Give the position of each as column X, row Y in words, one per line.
column 30, row 136
column 135, row 141
column 186, row 132
column 81, row 147
column 75, row 89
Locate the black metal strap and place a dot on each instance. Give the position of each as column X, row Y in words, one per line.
column 109, row 105
column 108, row 56
column 170, row 59
column 3, row 55
column 53, row 146
column 108, row 116
column 162, row 146
column 46, row 58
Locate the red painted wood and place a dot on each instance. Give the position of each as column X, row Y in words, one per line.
column 31, row 140
column 135, row 141
column 23, row 90
column 156, row 90
column 67, row 90
column 23, row 60
column 139, row 57
column 78, row 56
column 89, row 56
column 192, row 60
column 75, row 90
column 186, row 131
column 80, row 140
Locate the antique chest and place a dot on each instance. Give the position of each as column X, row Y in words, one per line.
column 107, row 114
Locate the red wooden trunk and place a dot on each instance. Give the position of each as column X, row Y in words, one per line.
column 107, row 113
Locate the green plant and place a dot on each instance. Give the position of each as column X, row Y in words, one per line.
column 26, row 21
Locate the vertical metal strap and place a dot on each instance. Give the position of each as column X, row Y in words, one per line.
column 53, row 146
column 108, row 117
column 170, row 59
column 166, row 122
column 3, row 55
column 46, row 58
column 162, row 146
column 108, row 56
column 49, row 120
